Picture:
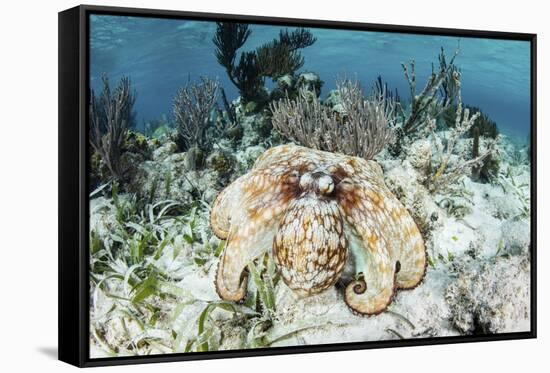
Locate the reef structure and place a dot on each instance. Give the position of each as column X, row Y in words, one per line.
column 317, row 211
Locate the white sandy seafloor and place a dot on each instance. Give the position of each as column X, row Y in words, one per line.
column 477, row 281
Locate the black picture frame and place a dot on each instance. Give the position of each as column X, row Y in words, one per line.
column 73, row 250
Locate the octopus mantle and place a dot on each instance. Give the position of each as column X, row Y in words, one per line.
column 316, row 212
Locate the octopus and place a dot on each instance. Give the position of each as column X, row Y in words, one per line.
column 318, row 214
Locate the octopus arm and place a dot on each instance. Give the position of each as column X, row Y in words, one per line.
column 372, row 290
column 256, row 210
column 405, row 243
column 224, row 206
column 412, row 254
column 388, row 249
column 246, row 241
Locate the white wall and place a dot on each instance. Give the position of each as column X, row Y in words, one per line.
column 28, row 183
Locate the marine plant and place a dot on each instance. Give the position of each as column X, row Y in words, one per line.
column 111, row 117
column 192, row 107
column 138, row 253
column 521, row 191
column 128, row 276
column 135, row 264
column 363, row 130
column 273, row 59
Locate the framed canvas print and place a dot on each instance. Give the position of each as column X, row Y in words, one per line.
column 233, row 185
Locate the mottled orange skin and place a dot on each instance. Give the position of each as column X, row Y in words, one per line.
column 314, row 211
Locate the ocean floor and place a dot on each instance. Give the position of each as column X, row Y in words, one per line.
column 153, row 258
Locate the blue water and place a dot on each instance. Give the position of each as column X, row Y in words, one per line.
column 161, row 55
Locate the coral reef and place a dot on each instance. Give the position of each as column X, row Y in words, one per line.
column 313, row 207
column 214, row 202
column 363, row 129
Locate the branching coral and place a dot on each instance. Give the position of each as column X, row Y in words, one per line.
column 110, row 119
column 273, row 59
column 363, row 130
column 485, row 126
column 192, row 107
column 444, row 175
column 438, row 94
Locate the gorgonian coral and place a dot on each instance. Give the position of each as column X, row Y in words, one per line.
column 363, row 129
column 192, row 107
column 111, row 117
column 273, row 59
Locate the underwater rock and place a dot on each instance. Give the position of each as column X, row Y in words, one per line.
column 286, row 82
column 426, row 308
column 309, row 82
column 286, row 86
column 516, row 236
column 405, row 181
column 194, row 158
column 310, row 205
column 99, row 172
column 245, row 159
column 491, row 297
column 419, row 155
column 256, row 128
column 168, row 177
column 333, row 98
column 136, row 142
column 222, row 162
column 166, row 149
